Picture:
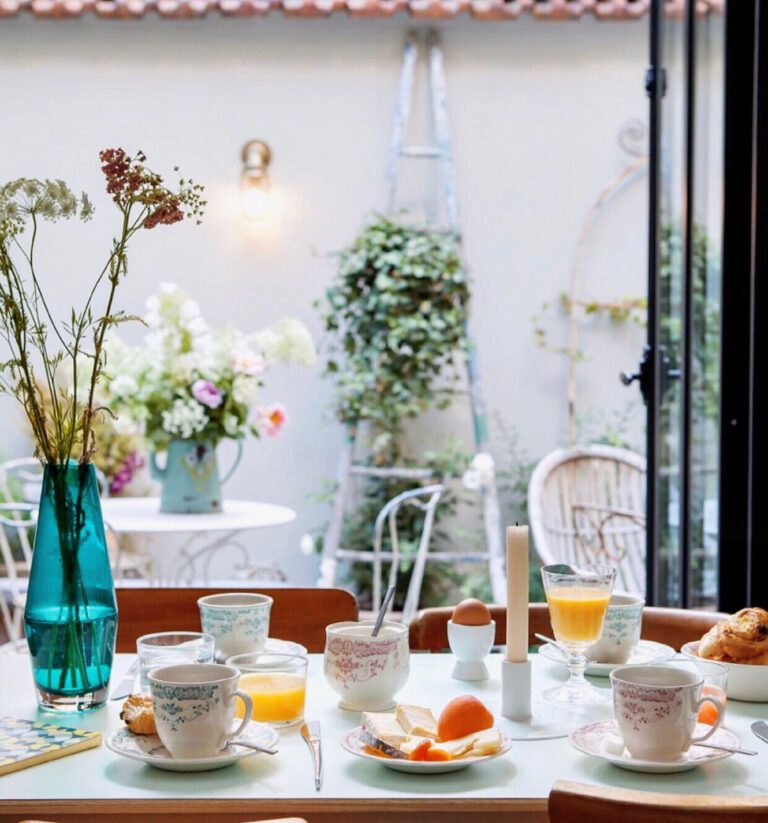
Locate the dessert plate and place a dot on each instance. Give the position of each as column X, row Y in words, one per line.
column 354, row 744
column 592, row 739
column 277, row 647
column 647, row 653
column 148, row 748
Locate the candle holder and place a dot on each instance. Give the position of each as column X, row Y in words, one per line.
column 524, row 719
column 516, row 690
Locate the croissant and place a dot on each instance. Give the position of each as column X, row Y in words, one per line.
column 742, row 638
column 138, row 716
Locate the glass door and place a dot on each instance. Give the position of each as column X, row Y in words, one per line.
column 682, row 368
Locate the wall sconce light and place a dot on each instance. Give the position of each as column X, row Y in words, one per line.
column 254, row 179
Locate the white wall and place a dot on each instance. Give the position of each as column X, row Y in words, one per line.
column 535, row 111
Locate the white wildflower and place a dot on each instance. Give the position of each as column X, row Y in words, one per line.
column 287, row 340
column 184, row 419
column 245, row 389
column 123, row 386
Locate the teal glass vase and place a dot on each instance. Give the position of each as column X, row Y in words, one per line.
column 70, row 617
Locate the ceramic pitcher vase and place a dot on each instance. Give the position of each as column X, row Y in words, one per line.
column 190, row 478
column 70, row 617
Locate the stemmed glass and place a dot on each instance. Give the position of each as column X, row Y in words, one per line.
column 578, row 598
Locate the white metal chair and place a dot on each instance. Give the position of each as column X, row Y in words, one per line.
column 586, row 504
column 424, row 498
column 16, row 522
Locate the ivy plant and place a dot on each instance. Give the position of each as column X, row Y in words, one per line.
column 396, row 312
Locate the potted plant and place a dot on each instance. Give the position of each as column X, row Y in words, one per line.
column 189, row 387
column 71, row 615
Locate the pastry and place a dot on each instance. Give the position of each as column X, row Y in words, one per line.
column 137, row 714
column 742, row 638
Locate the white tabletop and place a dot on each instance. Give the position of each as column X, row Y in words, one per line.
column 528, row 771
column 142, row 515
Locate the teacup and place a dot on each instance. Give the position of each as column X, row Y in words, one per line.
column 656, row 708
column 621, row 630
column 239, row 622
column 366, row 671
column 470, row 646
column 194, row 708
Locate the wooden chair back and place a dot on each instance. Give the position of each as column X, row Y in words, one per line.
column 576, row 802
column 586, row 504
column 300, row 615
column 429, row 629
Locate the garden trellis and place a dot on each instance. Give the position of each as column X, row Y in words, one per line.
column 440, row 152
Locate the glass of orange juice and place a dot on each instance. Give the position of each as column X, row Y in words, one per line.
column 578, row 597
column 277, row 684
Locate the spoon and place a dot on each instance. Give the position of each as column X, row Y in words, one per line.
column 561, row 647
column 382, row 611
column 724, row 748
column 254, row 746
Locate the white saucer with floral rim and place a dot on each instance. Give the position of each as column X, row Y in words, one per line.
column 275, row 646
column 354, row 744
column 593, row 738
column 148, row 748
column 646, row 653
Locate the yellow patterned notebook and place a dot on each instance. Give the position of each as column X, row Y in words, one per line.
column 26, row 743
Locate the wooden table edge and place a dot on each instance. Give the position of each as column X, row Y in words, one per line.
column 303, row 805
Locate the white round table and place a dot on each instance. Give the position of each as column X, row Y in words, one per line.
column 204, row 534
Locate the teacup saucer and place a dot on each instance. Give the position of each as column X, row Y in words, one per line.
column 591, row 739
column 148, row 748
column 276, row 646
column 646, row 653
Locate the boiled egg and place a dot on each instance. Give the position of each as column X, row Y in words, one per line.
column 471, row 612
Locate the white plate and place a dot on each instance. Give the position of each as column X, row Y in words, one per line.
column 148, row 748
column 589, row 739
column 277, row 647
column 352, row 742
column 745, row 682
column 647, row 653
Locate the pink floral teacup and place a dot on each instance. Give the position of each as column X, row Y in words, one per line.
column 656, row 708
column 366, row 671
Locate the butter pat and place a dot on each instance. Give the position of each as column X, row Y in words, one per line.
column 385, row 727
column 417, row 721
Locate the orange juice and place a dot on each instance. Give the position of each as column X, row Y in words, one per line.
column 577, row 613
column 708, row 713
column 278, row 697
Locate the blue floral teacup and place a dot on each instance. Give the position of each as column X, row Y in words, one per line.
column 621, row 630
column 194, row 708
column 238, row 621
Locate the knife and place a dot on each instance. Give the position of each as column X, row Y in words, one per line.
column 760, row 729
column 125, row 686
column 311, row 734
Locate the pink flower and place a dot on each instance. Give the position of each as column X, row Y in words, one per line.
column 272, row 419
column 206, row 394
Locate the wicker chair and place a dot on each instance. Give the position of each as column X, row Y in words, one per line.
column 586, row 504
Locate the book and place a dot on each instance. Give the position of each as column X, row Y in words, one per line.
column 26, row 743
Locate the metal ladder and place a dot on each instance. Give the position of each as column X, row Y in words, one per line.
column 347, row 468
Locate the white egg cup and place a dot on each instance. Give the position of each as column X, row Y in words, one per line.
column 470, row 646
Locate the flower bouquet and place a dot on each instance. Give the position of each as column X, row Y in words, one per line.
column 71, row 615
column 188, row 387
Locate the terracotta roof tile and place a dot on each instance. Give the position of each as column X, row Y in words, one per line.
column 421, row 9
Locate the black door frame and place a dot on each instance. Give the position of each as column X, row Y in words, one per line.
column 743, row 468
column 743, row 531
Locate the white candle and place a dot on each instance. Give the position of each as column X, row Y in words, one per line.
column 517, row 594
